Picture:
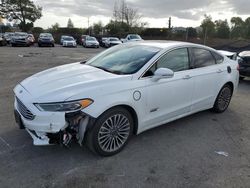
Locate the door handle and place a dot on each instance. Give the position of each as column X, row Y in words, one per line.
column 219, row 71
column 187, row 77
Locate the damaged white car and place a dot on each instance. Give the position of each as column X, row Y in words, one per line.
column 124, row 90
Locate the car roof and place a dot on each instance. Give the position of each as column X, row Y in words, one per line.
column 165, row 44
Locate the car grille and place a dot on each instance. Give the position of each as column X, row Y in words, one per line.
column 26, row 113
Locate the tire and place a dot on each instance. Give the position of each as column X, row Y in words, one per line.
column 13, row 45
column 242, row 78
column 107, row 140
column 223, row 99
column 53, row 45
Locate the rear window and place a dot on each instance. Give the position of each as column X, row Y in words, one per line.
column 218, row 58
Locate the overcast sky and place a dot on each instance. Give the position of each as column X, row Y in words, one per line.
column 155, row 12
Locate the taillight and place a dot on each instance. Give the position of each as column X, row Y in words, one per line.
column 238, row 67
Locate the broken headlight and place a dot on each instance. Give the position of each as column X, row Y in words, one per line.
column 64, row 106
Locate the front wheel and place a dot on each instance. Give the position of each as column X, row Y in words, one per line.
column 223, row 99
column 111, row 132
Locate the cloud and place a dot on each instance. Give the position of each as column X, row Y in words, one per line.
column 190, row 10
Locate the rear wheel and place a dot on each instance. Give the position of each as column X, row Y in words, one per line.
column 111, row 132
column 223, row 99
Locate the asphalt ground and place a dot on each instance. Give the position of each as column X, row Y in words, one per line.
column 183, row 153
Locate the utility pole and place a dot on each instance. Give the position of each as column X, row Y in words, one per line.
column 169, row 23
column 88, row 26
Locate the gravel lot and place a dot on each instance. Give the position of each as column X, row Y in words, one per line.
column 179, row 154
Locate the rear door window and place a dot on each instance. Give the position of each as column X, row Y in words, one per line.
column 202, row 58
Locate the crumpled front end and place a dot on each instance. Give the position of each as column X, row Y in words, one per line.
column 47, row 128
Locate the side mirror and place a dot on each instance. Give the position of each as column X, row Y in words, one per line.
column 162, row 73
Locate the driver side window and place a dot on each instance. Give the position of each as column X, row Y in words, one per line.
column 176, row 60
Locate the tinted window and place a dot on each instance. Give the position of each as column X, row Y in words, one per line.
column 202, row 58
column 218, row 58
column 176, row 60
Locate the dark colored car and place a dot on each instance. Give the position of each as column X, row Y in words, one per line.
column 244, row 64
column 102, row 41
column 3, row 41
column 20, row 39
column 46, row 39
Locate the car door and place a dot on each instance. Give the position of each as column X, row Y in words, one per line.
column 207, row 73
column 171, row 97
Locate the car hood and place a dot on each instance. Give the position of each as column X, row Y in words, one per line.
column 92, row 42
column 61, row 83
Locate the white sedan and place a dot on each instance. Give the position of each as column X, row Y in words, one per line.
column 124, row 90
column 69, row 42
column 112, row 41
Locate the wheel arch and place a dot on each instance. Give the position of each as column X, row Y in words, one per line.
column 230, row 84
column 132, row 111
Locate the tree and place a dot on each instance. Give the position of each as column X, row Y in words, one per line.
column 97, row 28
column 247, row 27
column 238, row 29
column 23, row 11
column 123, row 13
column 222, row 29
column 55, row 27
column 208, row 27
column 70, row 24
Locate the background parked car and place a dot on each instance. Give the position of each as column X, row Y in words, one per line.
column 244, row 65
column 3, row 41
column 8, row 36
column 46, row 39
column 112, row 41
column 83, row 38
column 91, row 42
column 62, row 38
column 69, row 42
column 20, row 39
column 102, row 41
column 132, row 38
column 31, row 38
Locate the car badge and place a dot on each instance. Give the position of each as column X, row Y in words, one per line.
column 20, row 91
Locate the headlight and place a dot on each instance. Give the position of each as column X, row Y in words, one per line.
column 64, row 106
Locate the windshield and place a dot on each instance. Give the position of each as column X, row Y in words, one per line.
column 21, row 34
column 91, row 39
column 68, row 39
column 124, row 59
column 135, row 37
column 46, row 35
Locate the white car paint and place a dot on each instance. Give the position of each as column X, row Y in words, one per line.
column 155, row 103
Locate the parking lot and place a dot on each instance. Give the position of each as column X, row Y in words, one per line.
column 202, row 150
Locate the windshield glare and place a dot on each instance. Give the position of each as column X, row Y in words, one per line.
column 125, row 59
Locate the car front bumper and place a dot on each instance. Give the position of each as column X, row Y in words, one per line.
column 37, row 123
